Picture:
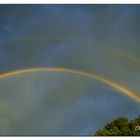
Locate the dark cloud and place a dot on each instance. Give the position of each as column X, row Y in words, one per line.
column 76, row 37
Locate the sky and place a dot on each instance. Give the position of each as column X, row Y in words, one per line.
column 97, row 39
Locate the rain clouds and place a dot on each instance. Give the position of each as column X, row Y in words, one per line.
column 100, row 39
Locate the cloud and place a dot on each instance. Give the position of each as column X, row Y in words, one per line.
column 73, row 36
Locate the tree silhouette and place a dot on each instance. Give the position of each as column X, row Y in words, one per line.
column 121, row 127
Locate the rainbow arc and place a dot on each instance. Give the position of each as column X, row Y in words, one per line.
column 104, row 80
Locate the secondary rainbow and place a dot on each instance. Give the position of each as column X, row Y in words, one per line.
column 111, row 83
column 125, row 55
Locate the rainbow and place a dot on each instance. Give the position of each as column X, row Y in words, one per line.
column 124, row 55
column 128, row 57
column 56, row 38
column 111, row 83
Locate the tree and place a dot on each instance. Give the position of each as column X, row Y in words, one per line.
column 121, row 127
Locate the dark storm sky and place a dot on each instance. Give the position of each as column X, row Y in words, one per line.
column 102, row 39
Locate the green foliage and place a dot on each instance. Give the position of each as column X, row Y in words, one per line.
column 121, row 127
